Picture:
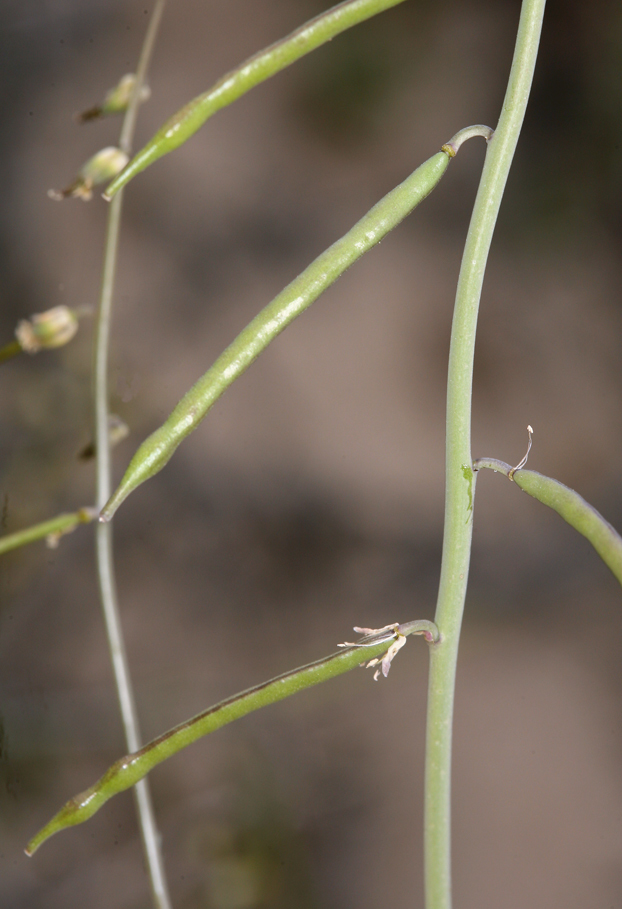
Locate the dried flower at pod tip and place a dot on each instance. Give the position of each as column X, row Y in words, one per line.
column 106, row 164
column 116, row 100
column 52, row 328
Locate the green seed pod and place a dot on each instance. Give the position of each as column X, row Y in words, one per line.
column 128, row 770
column 569, row 505
column 155, row 451
column 237, row 82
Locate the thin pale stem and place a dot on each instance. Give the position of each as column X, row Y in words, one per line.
column 469, row 132
column 460, row 480
column 103, row 534
column 129, row 121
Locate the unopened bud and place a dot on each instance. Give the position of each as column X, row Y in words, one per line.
column 103, row 166
column 116, row 100
column 47, row 329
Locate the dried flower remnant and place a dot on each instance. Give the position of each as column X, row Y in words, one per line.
column 106, row 164
column 46, row 330
column 387, row 659
column 116, row 100
column 375, row 636
column 525, row 458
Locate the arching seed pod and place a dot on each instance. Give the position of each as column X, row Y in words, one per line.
column 157, row 449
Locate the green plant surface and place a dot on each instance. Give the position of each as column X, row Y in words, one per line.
column 54, row 529
column 459, row 479
column 273, row 519
column 569, row 505
column 104, row 555
column 157, row 449
column 250, row 73
column 132, row 768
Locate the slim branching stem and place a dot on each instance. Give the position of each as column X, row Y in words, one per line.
column 103, row 533
column 51, row 530
column 460, row 480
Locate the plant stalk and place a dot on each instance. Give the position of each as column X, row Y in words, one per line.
column 103, row 532
column 52, row 530
column 460, row 479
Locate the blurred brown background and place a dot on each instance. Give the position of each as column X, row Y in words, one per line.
column 311, row 499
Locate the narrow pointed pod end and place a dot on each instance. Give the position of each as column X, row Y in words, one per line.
column 75, row 811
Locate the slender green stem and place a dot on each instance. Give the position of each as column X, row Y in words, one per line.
column 103, row 537
column 250, row 73
column 382, row 642
column 570, row 505
column 54, row 528
column 460, row 481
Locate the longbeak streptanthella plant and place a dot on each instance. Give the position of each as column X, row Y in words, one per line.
column 114, row 168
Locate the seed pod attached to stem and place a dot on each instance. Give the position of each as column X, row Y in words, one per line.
column 256, row 69
column 157, row 449
column 128, row 770
column 568, row 504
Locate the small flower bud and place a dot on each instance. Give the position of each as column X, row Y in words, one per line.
column 47, row 329
column 116, row 100
column 101, row 167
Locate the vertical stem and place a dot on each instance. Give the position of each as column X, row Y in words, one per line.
column 103, row 534
column 460, row 480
